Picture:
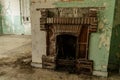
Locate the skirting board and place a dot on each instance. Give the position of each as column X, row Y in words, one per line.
column 38, row 65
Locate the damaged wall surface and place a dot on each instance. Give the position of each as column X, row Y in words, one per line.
column 99, row 42
column 12, row 19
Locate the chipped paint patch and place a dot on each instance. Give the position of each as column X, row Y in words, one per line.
column 104, row 41
column 100, row 26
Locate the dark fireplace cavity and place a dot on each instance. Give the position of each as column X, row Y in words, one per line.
column 66, row 47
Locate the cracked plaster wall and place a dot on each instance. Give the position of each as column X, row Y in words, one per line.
column 99, row 42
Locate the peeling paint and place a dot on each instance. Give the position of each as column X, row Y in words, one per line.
column 104, row 29
column 104, row 41
column 100, row 26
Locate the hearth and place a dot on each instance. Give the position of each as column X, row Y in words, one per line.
column 68, row 32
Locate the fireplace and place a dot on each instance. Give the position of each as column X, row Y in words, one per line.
column 68, row 32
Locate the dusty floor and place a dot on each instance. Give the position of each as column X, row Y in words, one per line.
column 15, row 63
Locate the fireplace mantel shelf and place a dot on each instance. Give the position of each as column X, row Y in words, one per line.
column 69, row 21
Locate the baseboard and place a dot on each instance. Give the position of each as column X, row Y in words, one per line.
column 38, row 65
column 100, row 73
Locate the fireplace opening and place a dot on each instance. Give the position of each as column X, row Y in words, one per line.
column 66, row 52
column 66, row 47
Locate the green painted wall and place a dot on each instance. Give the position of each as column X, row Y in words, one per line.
column 12, row 25
column 114, row 59
column 100, row 41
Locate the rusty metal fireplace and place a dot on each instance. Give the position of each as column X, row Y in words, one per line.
column 68, row 32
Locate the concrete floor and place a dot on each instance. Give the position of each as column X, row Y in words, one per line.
column 15, row 59
column 14, row 46
column 10, row 42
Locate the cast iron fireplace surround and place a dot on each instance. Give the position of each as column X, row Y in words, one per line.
column 68, row 32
